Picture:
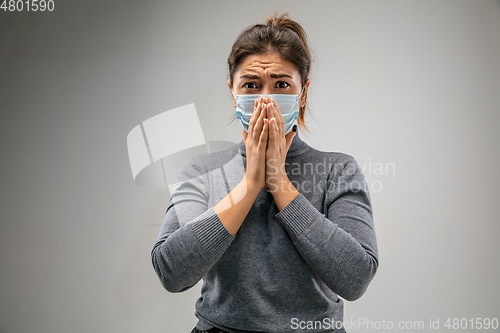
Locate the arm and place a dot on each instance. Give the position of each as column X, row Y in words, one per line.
column 194, row 236
column 341, row 249
column 182, row 255
column 235, row 206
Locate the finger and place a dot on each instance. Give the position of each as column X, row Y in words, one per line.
column 279, row 119
column 277, row 108
column 244, row 134
column 264, row 135
column 258, row 122
column 259, row 125
column 270, row 111
column 289, row 138
column 254, row 116
column 272, row 131
column 277, row 130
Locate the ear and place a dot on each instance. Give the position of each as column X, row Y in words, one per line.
column 234, row 99
column 304, row 94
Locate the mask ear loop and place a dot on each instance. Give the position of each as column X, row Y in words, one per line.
column 296, row 121
column 298, row 96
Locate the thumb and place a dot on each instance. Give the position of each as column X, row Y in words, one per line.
column 244, row 134
column 289, row 139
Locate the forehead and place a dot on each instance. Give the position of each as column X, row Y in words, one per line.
column 266, row 64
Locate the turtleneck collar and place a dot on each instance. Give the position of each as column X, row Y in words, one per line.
column 296, row 148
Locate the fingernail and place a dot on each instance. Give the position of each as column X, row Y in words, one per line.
column 294, row 128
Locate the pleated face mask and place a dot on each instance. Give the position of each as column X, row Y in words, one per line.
column 288, row 105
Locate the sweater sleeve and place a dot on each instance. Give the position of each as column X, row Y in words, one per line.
column 339, row 248
column 192, row 237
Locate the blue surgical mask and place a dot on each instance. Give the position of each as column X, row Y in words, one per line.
column 288, row 105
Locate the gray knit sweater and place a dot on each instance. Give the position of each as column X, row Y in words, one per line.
column 284, row 270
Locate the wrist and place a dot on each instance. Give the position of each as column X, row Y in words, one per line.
column 284, row 192
column 278, row 182
column 252, row 186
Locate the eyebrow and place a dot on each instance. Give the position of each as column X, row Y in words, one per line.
column 256, row 77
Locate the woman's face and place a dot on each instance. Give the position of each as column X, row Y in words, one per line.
column 266, row 74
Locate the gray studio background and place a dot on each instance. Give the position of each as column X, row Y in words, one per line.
column 412, row 85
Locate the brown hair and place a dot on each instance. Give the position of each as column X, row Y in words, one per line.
column 279, row 35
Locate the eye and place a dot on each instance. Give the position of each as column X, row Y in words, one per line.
column 250, row 85
column 282, row 85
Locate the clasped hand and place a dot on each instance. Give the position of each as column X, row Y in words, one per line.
column 266, row 146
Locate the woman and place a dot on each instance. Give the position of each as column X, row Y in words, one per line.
column 276, row 229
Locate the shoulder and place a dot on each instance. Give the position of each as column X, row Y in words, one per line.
column 204, row 162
